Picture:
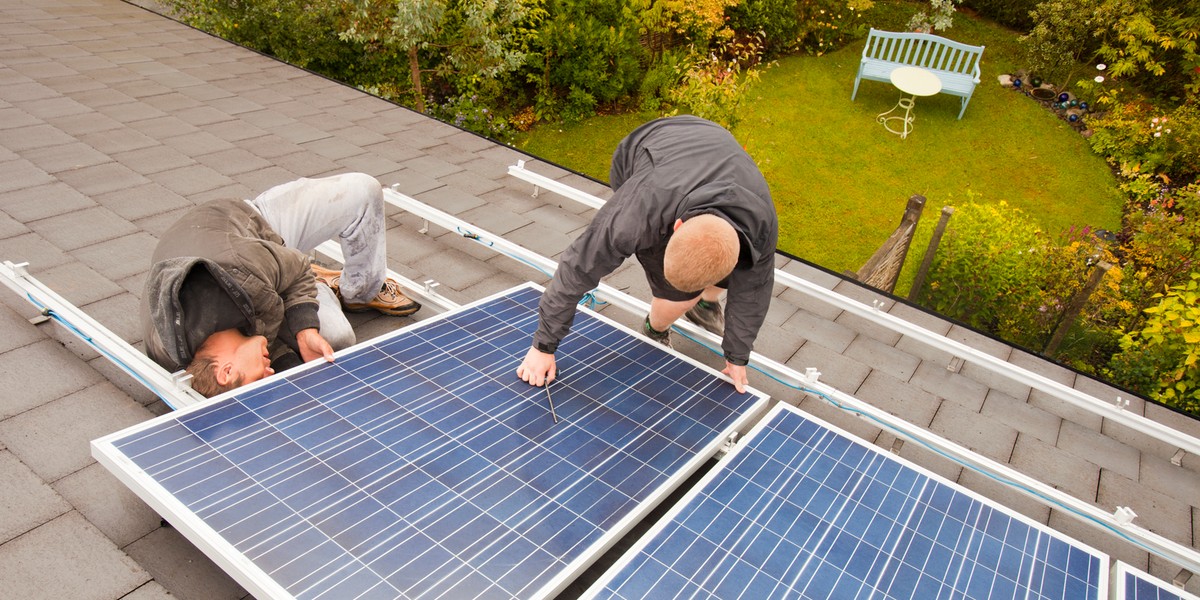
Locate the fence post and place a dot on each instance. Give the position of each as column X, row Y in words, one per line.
column 915, row 292
column 1074, row 307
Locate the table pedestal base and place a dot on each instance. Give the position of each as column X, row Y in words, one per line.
column 905, row 122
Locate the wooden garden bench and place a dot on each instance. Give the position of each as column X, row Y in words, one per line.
column 954, row 63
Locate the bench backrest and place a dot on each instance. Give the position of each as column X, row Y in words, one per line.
column 923, row 50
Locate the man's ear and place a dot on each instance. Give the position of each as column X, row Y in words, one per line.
column 678, row 224
column 224, row 373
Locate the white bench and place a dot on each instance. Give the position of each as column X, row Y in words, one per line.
column 955, row 64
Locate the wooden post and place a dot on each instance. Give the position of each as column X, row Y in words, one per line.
column 915, row 292
column 883, row 268
column 1074, row 307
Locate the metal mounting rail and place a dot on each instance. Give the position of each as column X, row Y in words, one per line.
column 1115, row 411
column 1117, row 523
column 175, row 390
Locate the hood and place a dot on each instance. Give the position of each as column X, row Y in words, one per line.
column 166, row 329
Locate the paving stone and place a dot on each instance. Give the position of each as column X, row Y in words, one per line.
column 181, row 568
column 108, row 504
column 871, row 351
column 980, row 341
column 119, row 314
column 102, row 179
column 496, row 220
column 21, row 174
column 1040, row 366
column 1178, row 482
column 121, row 257
column 77, row 283
column 82, row 228
column 1145, row 443
column 1069, row 412
column 921, row 456
column 847, row 422
column 983, row 435
column 153, row 159
column 995, row 380
column 937, row 380
column 64, row 157
column 819, row 331
column 1052, row 466
column 898, row 398
column 18, row 331
column 27, row 501
column 1030, row 420
column 845, row 375
column 450, row 269
column 151, row 590
column 1168, row 571
column 882, row 333
column 50, row 199
column 1099, row 449
column 808, row 302
column 68, row 558
column 1156, row 512
column 546, row 241
column 10, row 227
column 43, row 371
column 54, row 438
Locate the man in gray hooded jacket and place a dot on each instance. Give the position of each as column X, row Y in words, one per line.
column 695, row 210
column 232, row 297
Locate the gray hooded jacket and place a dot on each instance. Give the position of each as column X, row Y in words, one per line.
column 669, row 169
column 248, row 277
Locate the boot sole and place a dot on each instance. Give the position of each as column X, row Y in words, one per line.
column 401, row 311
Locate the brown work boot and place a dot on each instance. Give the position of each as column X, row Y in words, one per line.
column 328, row 277
column 389, row 301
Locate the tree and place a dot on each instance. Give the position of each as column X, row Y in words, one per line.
column 471, row 38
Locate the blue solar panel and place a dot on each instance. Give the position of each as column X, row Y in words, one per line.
column 800, row 510
column 1130, row 583
column 419, row 465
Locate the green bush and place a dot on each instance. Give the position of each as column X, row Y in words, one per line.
column 998, row 272
column 1011, row 13
column 588, row 54
column 1162, row 359
column 714, row 85
column 1140, row 138
column 777, row 21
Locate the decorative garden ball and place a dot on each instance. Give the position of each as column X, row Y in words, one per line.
column 1073, row 103
column 1072, row 117
column 1017, row 82
column 1035, row 82
column 1063, row 97
column 1083, row 105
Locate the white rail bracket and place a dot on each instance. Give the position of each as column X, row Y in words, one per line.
column 1124, row 515
column 811, row 375
column 182, row 379
column 1122, row 403
column 728, row 446
column 1177, row 459
column 1182, row 578
column 897, row 444
column 956, row 364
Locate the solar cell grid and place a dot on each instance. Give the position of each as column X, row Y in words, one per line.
column 418, row 465
column 1130, row 583
column 800, row 510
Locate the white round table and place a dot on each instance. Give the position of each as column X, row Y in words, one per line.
column 913, row 81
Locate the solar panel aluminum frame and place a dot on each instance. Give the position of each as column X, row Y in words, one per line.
column 251, row 577
column 683, row 504
column 1121, row 570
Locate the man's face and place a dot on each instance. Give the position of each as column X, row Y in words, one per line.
column 251, row 359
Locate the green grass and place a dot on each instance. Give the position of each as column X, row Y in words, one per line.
column 840, row 181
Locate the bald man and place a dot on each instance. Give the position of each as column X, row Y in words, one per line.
column 695, row 210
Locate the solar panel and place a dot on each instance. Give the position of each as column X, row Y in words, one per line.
column 1130, row 583
column 419, row 465
column 802, row 510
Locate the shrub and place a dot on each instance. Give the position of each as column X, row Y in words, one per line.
column 588, row 54
column 465, row 111
column 1013, row 13
column 714, row 85
column 1140, row 138
column 1162, row 359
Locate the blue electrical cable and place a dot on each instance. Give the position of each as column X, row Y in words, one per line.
column 885, row 426
column 589, row 299
column 51, row 313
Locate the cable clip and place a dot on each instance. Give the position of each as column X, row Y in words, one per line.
column 1124, row 515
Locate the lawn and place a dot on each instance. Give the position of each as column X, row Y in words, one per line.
column 840, row 181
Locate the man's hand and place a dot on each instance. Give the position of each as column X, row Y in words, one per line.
column 313, row 346
column 538, row 368
column 738, row 374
